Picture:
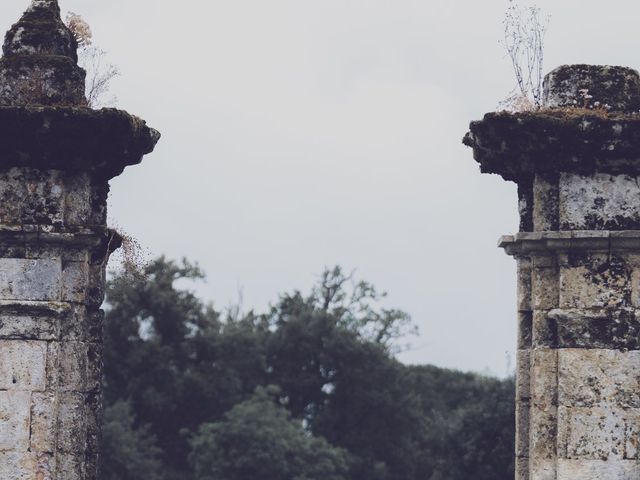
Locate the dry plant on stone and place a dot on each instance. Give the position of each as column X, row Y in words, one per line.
column 100, row 72
column 525, row 28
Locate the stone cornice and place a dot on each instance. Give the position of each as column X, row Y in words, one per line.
column 519, row 145
column 102, row 241
column 101, row 142
column 530, row 243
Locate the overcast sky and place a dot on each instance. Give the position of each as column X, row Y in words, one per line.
column 299, row 134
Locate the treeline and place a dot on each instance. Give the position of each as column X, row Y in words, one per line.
column 307, row 391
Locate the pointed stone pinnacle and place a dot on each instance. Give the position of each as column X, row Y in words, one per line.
column 39, row 66
column 41, row 31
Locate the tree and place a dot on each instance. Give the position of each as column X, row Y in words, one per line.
column 312, row 335
column 259, row 439
column 131, row 452
column 198, row 381
column 469, row 425
column 330, row 352
column 173, row 358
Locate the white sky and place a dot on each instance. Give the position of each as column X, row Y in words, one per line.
column 299, row 134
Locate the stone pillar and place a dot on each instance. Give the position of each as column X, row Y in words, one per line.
column 578, row 254
column 56, row 158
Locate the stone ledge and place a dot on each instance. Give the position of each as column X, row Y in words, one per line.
column 524, row 243
column 519, row 145
column 96, row 239
column 102, row 142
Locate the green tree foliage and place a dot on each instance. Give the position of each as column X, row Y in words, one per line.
column 196, row 379
column 131, row 453
column 173, row 358
column 259, row 439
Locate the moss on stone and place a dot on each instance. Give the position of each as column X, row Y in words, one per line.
column 102, row 142
column 519, row 145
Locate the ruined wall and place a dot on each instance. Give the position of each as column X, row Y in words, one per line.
column 578, row 255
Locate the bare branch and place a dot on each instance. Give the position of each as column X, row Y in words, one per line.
column 524, row 32
column 100, row 72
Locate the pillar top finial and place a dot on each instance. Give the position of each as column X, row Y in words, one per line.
column 41, row 31
column 578, row 85
column 40, row 61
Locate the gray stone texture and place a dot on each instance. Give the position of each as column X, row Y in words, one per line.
column 578, row 292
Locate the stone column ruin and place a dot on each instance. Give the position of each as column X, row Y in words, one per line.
column 56, row 159
column 578, row 254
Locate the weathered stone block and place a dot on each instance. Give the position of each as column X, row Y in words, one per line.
column 94, row 366
column 71, row 425
column 96, row 287
column 78, row 200
column 24, row 279
column 543, row 469
column 99, row 195
column 545, row 202
column 525, row 330
column 94, row 417
column 14, row 421
column 544, row 331
column 524, row 284
column 595, row 281
column 594, row 433
column 544, row 261
column 70, row 466
column 79, row 324
column 27, row 327
column 545, row 288
column 523, row 381
column 617, row 329
column 635, row 287
column 47, row 245
column 22, row 365
column 75, row 280
column 18, row 466
column 69, row 364
column 522, row 469
column 522, row 429
column 544, row 373
column 632, row 437
column 543, row 425
column 591, row 377
column 31, row 196
column 46, row 467
column 599, row 202
column 43, row 422
column 52, row 374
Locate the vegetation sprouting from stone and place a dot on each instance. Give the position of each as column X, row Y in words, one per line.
column 100, row 72
column 525, row 28
column 308, row 390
